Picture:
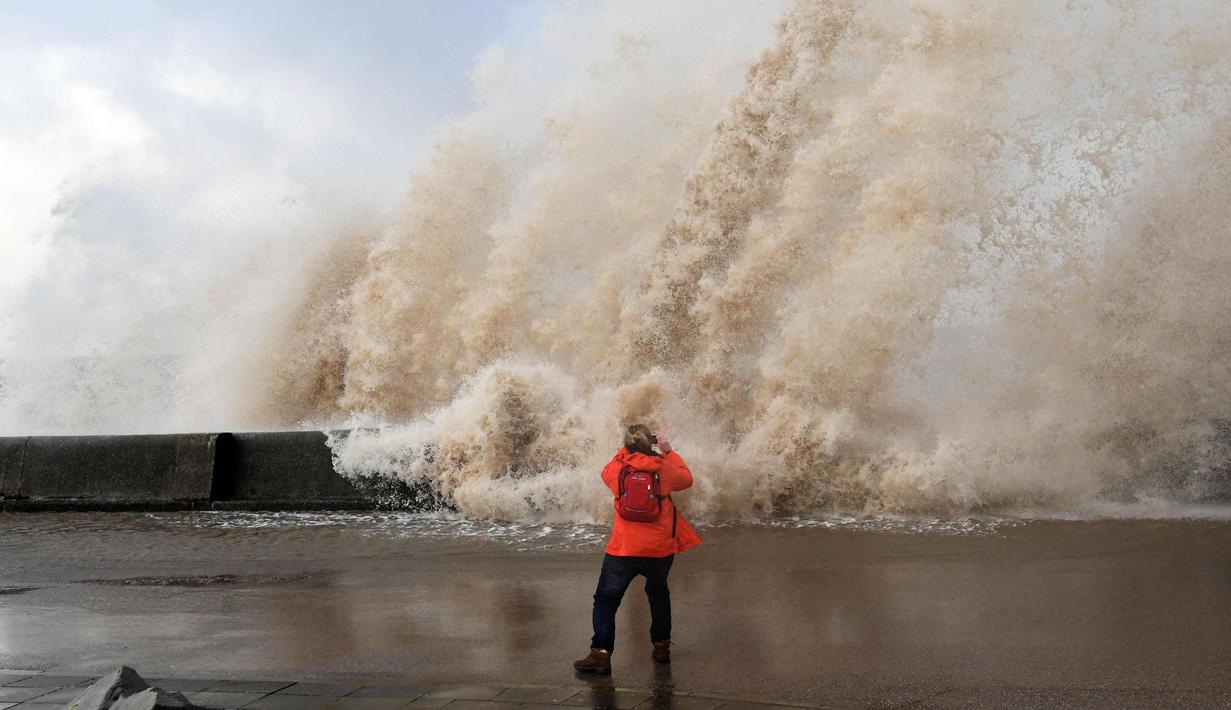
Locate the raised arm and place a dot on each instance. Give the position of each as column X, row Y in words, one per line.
column 675, row 473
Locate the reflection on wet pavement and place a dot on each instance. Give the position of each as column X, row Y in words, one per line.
column 848, row 612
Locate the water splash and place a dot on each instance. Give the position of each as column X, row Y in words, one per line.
column 941, row 258
column 930, row 258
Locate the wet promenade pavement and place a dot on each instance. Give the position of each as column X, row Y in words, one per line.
column 29, row 690
column 841, row 613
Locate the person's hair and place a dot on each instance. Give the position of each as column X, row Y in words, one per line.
column 638, row 437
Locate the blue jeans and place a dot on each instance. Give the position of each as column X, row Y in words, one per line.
column 618, row 572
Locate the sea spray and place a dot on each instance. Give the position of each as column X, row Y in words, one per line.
column 924, row 262
column 931, row 257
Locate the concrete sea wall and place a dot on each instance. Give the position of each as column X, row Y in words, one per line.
column 251, row 470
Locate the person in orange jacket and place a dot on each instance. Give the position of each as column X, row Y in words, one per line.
column 646, row 548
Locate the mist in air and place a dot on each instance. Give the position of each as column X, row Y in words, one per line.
column 939, row 257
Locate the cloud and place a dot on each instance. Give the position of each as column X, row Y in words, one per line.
column 54, row 124
column 145, row 144
column 185, row 75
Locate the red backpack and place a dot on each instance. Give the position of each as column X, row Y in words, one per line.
column 640, row 496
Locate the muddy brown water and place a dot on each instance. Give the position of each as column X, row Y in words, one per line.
column 812, row 611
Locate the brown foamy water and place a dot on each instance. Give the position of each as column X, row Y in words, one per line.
column 931, row 258
column 941, row 258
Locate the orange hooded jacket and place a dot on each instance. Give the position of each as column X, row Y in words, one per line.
column 634, row 539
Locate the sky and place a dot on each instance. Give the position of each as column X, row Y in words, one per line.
column 138, row 134
column 175, row 177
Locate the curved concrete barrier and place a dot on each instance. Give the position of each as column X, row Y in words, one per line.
column 12, row 461
column 109, row 469
column 282, row 469
column 264, row 471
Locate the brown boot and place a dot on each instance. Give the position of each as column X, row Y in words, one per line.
column 599, row 661
column 662, row 651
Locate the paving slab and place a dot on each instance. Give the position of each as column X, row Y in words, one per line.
column 249, row 686
column 6, row 678
column 602, row 699
column 52, row 681
column 466, row 692
column 424, row 703
column 63, row 695
column 481, row 705
column 335, row 690
column 682, row 702
column 353, row 703
column 391, row 691
column 1029, row 698
column 182, row 685
column 292, row 702
column 548, row 696
column 219, row 699
column 19, row 695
